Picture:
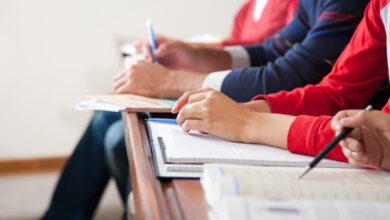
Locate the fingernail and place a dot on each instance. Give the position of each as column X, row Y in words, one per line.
column 355, row 154
column 345, row 120
column 337, row 127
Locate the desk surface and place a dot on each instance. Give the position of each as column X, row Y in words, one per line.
column 155, row 199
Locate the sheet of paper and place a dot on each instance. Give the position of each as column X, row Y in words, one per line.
column 295, row 209
column 93, row 104
column 126, row 102
column 156, row 128
column 273, row 182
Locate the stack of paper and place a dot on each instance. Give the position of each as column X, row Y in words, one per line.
column 179, row 154
column 248, row 192
column 125, row 102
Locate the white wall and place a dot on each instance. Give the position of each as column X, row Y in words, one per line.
column 53, row 51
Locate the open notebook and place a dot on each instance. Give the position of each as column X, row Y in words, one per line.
column 185, row 153
column 125, row 102
column 277, row 193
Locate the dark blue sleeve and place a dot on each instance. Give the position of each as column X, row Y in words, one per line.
column 286, row 61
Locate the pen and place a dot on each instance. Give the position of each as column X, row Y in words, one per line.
column 344, row 133
column 151, row 39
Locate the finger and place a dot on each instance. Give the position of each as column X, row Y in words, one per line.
column 120, row 83
column 198, row 125
column 190, row 112
column 375, row 119
column 184, row 99
column 119, row 75
column 122, row 88
column 197, row 97
column 336, row 124
column 346, row 152
column 164, row 48
column 356, row 163
column 354, row 145
column 148, row 53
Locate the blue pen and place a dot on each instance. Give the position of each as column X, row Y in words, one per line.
column 151, row 39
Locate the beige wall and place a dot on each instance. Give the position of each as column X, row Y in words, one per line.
column 52, row 52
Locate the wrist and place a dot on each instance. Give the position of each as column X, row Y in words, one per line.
column 178, row 82
column 386, row 159
column 258, row 106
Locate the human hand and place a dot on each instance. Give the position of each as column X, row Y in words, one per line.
column 143, row 78
column 141, row 44
column 154, row 80
column 212, row 112
column 369, row 144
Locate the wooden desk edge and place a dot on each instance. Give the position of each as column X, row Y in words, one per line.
column 150, row 207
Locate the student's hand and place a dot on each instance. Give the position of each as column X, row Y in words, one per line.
column 212, row 112
column 154, row 80
column 179, row 55
column 369, row 144
column 176, row 55
column 142, row 44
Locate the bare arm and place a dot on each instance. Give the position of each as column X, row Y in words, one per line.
column 212, row 112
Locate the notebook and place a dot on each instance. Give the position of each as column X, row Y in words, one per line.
column 165, row 170
column 185, row 153
column 125, row 102
column 230, row 192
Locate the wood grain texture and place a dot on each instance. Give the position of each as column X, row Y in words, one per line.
column 155, row 199
column 36, row 165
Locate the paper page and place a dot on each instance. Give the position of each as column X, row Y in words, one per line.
column 131, row 103
column 272, row 182
column 294, row 209
column 156, row 127
column 182, row 147
column 98, row 105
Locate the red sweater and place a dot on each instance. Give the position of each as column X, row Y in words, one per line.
column 357, row 74
column 276, row 14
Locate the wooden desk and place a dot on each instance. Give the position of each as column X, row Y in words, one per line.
column 155, row 199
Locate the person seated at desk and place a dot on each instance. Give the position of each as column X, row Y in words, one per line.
column 285, row 66
column 300, row 120
column 301, row 53
column 369, row 144
column 87, row 171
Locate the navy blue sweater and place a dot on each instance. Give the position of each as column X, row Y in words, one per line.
column 301, row 53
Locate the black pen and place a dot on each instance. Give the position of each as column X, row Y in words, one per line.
column 344, row 133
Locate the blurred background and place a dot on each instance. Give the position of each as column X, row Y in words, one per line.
column 54, row 51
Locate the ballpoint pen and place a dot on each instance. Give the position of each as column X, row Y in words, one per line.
column 344, row 133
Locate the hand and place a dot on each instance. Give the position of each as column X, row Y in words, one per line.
column 142, row 44
column 154, row 80
column 143, row 78
column 179, row 55
column 369, row 144
column 212, row 112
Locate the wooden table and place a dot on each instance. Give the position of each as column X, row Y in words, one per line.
column 153, row 198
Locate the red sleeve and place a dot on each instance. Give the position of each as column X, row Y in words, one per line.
column 309, row 135
column 357, row 74
column 238, row 22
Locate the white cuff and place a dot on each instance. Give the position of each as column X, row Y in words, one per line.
column 240, row 56
column 214, row 80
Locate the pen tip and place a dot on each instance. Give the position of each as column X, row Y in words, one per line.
column 149, row 22
column 304, row 172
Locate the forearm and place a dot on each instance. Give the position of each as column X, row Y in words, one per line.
column 178, row 82
column 212, row 59
column 208, row 45
column 270, row 129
